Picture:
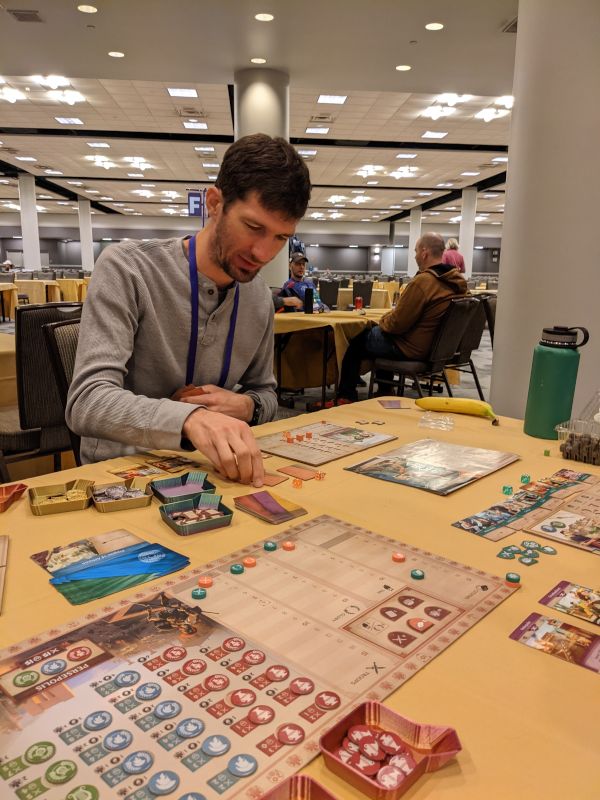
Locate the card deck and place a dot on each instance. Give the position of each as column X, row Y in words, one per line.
column 304, row 473
column 268, row 507
column 559, row 639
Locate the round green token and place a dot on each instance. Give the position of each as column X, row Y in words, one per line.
column 236, row 569
column 84, row 792
column 528, row 561
column 549, row 551
column 417, row 574
column 61, row 771
column 270, row 546
column 39, row 752
column 505, row 554
column 199, row 594
column 24, row 679
column 513, row 577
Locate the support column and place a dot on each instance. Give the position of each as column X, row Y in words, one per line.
column 262, row 105
column 32, row 258
column 466, row 236
column 86, row 238
column 550, row 209
column 414, row 234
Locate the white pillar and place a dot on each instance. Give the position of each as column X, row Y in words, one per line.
column 32, row 258
column 549, row 268
column 86, row 238
column 414, row 234
column 262, row 105
column 466, row 235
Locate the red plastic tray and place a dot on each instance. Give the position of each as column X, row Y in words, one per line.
column 431, row 746
column 9, row 493
column 299, row 787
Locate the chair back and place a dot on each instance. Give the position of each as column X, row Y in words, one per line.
column 471, row 338
column 488, row 302
column 344, row 283
column 451, row 330
column 39, row 275
column 61, row 340
column 362, row 289
column 328, row 292
column 39, row 400
column 7, row 277
column 48, row 275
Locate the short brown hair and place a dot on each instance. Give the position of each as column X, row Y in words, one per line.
column 269, row 166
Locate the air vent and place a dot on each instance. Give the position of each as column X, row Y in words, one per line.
column 322, row 118
column 25, row 15
column 511, row 27
column 191, row 111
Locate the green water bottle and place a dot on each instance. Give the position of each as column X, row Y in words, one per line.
column 552, row 383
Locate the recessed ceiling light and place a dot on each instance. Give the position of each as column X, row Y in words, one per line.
column 358, row 191
column 489, row 114
column 403, row 67
column 395, row 206
column 258, row 60
column 264, row 17
column 63, row 203
column 307, row 153
column 352, row 245
column 500, row 159
column 406, row 155
column 211, row 165
column 45, row 197
column 75, row 183
column 451, row 99
column 135, row 174
column 205, row 149
column 51, row 81
column 506, row 100
column 98, row 144
column 372, row 183
column 434, row 134
column 317, row 130
column 182, row 92
column 68, row 96
column 434, row 26
column 490, row 196
column 445, row 185
column 25, row 158
column 202, row 126
column 11, row 95
column 87, row 9
column 69, row 120
column 425, row 194
column 149, row 185
column 53, row 172
column 212, row 177
column 333, row 99
column 107, row 198
column 116, row 54
column 435, row 112
column 469, row 174
column 92, row 191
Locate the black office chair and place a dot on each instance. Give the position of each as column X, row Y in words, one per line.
column 471, row 339
column 362, row 289
column 489, row 306
column 328, row 292
column 445, row 345
column 62, row 339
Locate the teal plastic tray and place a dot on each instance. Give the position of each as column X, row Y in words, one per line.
column 182, row 480
column 206, row 500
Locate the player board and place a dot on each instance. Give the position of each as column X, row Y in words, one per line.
column 321, row 442
column 155, row 696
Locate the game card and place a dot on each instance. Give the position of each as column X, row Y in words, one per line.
column 304, row 473
column 578, row 601
column 271, row 479
column 136, row 471
column 571, row 528
column 173, row 463
column 559, row 639
column 392, row 404
column 269, row 507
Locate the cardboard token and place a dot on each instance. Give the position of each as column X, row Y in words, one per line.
column 290, row 733
column 148, row 691
column 53, row 667
column 403, row 761
column 254, row 657
column 302, row 686
column 391, row 742
column 364, row 764
column 243, row 765
column 61, row 772
column 343, row 754
column 163, row 782
column 167, row 709
column 138, row 762
column 278, row 673
column 419, row 625
column 215, row 683
column 233, row 644
column 117, row 740
column 194, row 666
column 358, row 732
column 327, row 701
column 174, row 653
column 371, row 748
column 215, row 745
column 261, row 715
column 128, row 677
column 351, row 746
column 79, row 653
column 190, row 727
column 97, row 721
column 390, row 777
column 242, row 697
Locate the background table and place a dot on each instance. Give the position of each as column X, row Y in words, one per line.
column 379, row 298
column 39, row 291
column 528, row 722
column 70, row 288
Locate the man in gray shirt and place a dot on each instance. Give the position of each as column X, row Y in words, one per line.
column 166, row 315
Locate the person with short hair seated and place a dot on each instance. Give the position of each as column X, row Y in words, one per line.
column 297, row 285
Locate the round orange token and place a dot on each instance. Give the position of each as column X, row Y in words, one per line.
column 249, row 561
column 399, row 558
column 289, row 545
column 205, row 581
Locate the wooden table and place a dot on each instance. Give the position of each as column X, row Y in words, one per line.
column 379, row 298
column 39, row 291
column 528, row 722
column 70, row 288
column 9, row 298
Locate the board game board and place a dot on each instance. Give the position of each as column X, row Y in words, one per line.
column 154, row 696
column 321, row 442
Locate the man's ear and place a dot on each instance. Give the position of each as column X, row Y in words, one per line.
column 214, row 201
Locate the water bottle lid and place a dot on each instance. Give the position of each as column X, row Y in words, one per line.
column 562, row 337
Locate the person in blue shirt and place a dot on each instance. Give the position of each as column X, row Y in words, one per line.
column 297, row 284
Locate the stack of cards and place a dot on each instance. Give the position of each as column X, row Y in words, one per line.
column 269, row 507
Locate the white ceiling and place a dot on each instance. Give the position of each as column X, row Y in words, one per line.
column 336, row 47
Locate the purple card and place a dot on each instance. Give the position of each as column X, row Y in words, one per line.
column 560, row 640
column 576, row 600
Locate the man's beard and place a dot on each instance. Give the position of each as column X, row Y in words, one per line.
column 218, row 255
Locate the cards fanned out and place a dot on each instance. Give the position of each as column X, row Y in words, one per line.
column 268, row 507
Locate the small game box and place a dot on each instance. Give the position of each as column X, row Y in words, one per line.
column 9, row 493
column 71, row 496
column 183, row 487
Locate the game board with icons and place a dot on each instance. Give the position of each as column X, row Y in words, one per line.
column 321, row 442
column 158, row 696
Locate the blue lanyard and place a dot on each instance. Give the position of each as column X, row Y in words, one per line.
column 191, row 360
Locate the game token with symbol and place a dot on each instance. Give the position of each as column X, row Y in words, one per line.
column 290, row 733
column 205, row 581
column 371, row 748
column 242, row 698
column 233, row 644
column 249, row 562
column 364, row 764
column 174, row 653
column 403, row 761
column 302, row 686
column 390, row 777
column 505, row 554
column 40, row 752
column 547, row 550
column 167, row 709
column 289, row 546
column 163, row 782
column 117, row 740
column 61, row 771
column 270, row 546
column 215, row 683
column 254, row 657
column 148, row 691
column 53, row 667
column 97, row 721
column 215, row 745
column 194, row 666
column 261, row 715
column 417, row 574
column 236, row 569
column 391, row 742
column 327, row 701
column 527, row 561
column 277, row 673
column 512, row 578
column 242, row 765
column 188, row 728
column 198, row 594
column 138, row 762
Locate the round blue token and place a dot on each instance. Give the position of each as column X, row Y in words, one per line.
column 53, row 667
column 167, row 709
column 148, row 691
column 529, row 562
column 163, row 782
column 242, row 765
column 417, row 574
column 128, row 678
column 117, row 740
column 192, row 796
column 547, row 550
column 190, row 727
column 138, row 762
column 97, row 721
column 215, row 745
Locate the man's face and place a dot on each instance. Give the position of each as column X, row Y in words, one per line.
column 420, row 254
column 247, row 236
column 298, row 268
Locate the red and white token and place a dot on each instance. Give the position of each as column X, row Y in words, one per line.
column 390, row 777
column 343, row 755
column 364, row 764
column 359, row 732
column 352, row 747
column 278, row 673
column 214, row 683
column 372, row 749
column 79, row 653
column 302, row 686
column 194, row 666
column 233, row 644
column 254, row 657
column 327, row 701
column 174, row 653
column 261, row 715
column 290, row 733
column 403, row 761
column 241, row 698
column 391, row 742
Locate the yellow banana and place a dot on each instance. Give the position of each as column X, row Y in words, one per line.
column 458, row 405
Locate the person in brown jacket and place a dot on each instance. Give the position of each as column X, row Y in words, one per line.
column 407, row 331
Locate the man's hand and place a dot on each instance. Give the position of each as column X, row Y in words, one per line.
column 240, row 406
column 228, row 443
column 294, row 302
